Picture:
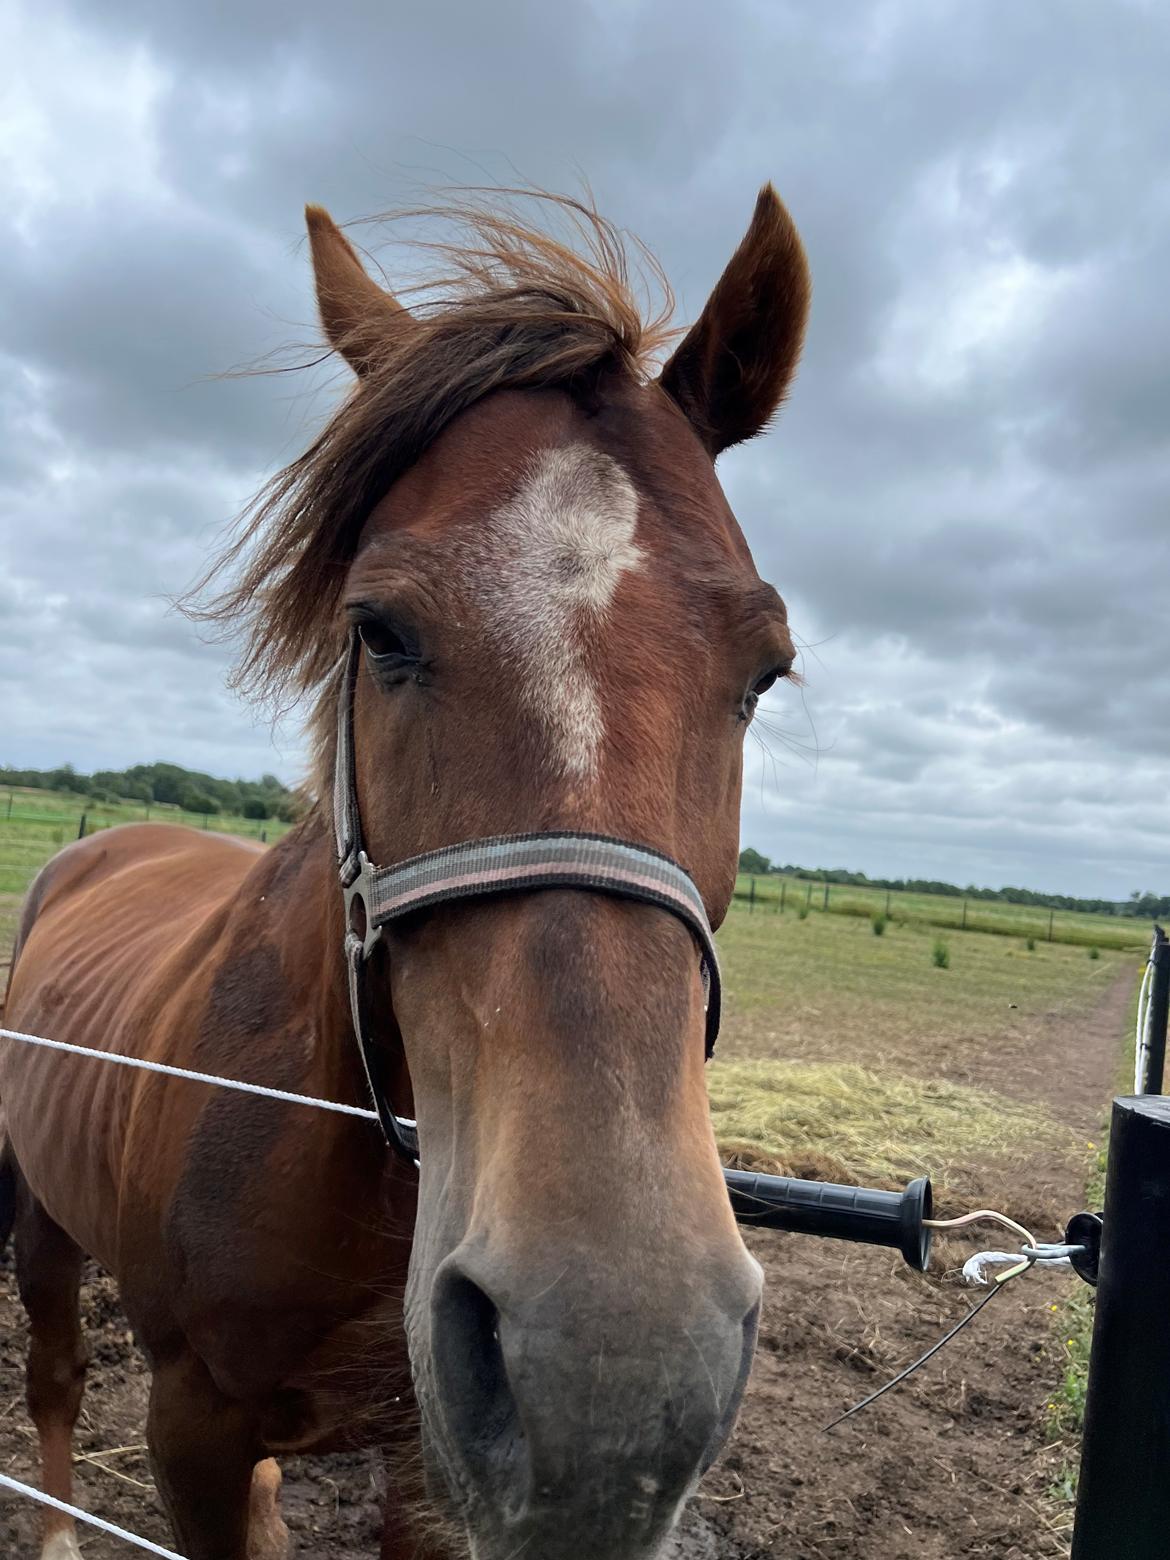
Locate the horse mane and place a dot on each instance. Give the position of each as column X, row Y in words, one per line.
column 516, row 305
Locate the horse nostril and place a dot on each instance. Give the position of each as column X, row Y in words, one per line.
column 477, row 1403
column 750, row 1333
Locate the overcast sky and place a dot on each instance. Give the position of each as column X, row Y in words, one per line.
column 964, row 504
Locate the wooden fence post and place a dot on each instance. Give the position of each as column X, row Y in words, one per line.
column 783, row 891
column 825, row 906
column 81, row 827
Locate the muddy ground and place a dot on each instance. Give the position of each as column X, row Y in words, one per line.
column 955, row 1463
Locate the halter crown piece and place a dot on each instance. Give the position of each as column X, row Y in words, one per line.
column 475, row 869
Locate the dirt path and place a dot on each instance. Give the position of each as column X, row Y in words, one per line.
column 954, row 1464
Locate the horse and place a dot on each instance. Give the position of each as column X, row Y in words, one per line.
column 508, row 561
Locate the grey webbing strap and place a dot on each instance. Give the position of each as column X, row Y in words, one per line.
column 523, row 863
column 475, row 869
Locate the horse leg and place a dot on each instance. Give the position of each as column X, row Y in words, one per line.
column 48, row 1274
column 219, row 1490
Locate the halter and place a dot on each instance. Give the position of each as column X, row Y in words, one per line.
column 476, row 869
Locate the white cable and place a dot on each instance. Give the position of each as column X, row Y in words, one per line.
column 1141, row 1046
column 192, row 1077
column 83, row 1516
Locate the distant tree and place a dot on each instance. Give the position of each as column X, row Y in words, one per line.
column 67, row 779
column 167, row 782
column 193, row 801
column 751, row 861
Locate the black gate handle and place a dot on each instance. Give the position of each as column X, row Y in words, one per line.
column 857, row 1213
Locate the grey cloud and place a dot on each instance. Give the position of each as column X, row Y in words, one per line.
column 964, row 502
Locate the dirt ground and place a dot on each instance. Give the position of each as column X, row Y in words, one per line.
column 952, row 1464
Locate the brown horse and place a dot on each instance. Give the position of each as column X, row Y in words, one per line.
column 563, row 630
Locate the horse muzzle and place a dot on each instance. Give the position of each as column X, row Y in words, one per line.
column 572, row 1425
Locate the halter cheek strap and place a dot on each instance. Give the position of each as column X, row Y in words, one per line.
column 477, row 869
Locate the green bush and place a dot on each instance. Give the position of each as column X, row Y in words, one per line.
column 941, row 955
column 1031, row 945
column 255, row 807
column 878, row 922
column 802, row 913
column 193, row 801
column 1094, row 953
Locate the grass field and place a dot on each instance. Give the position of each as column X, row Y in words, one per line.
column 855, row 1055
column 945, row 911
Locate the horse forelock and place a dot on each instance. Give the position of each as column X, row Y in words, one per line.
column 521, row 308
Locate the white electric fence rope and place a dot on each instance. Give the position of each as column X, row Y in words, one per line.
column 192, row 1077
column 1055, row 1255
column 1142, row 1037
column 84, row 1516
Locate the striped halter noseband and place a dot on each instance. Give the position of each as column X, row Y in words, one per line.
column 475, row 869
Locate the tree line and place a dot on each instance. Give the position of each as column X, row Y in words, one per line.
column 168, row 784
column 1147, row 906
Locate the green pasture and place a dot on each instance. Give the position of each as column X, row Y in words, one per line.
column 992, row 916
column 847, row 1055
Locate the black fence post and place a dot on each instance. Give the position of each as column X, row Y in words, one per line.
column 751, row 896
column 1159, row 1012
column 1123, row 1500
column 964, row 928
column 783, row 891
column 887, row 904
column 808, row 897
column 1051, row 913
column 9, row 813
column 81, row 827
column 826, row 903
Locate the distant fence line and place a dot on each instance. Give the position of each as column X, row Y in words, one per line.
column 89, row 820
column 996, row 917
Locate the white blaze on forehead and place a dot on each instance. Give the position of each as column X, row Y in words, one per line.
column 557, row 552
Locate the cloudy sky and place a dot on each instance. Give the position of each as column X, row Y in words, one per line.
column 965, row 503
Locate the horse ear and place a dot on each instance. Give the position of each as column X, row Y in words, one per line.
column 360, row 318
column 733, row 367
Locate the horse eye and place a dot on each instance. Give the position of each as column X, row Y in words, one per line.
column 759, row 688
column 383, row 643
